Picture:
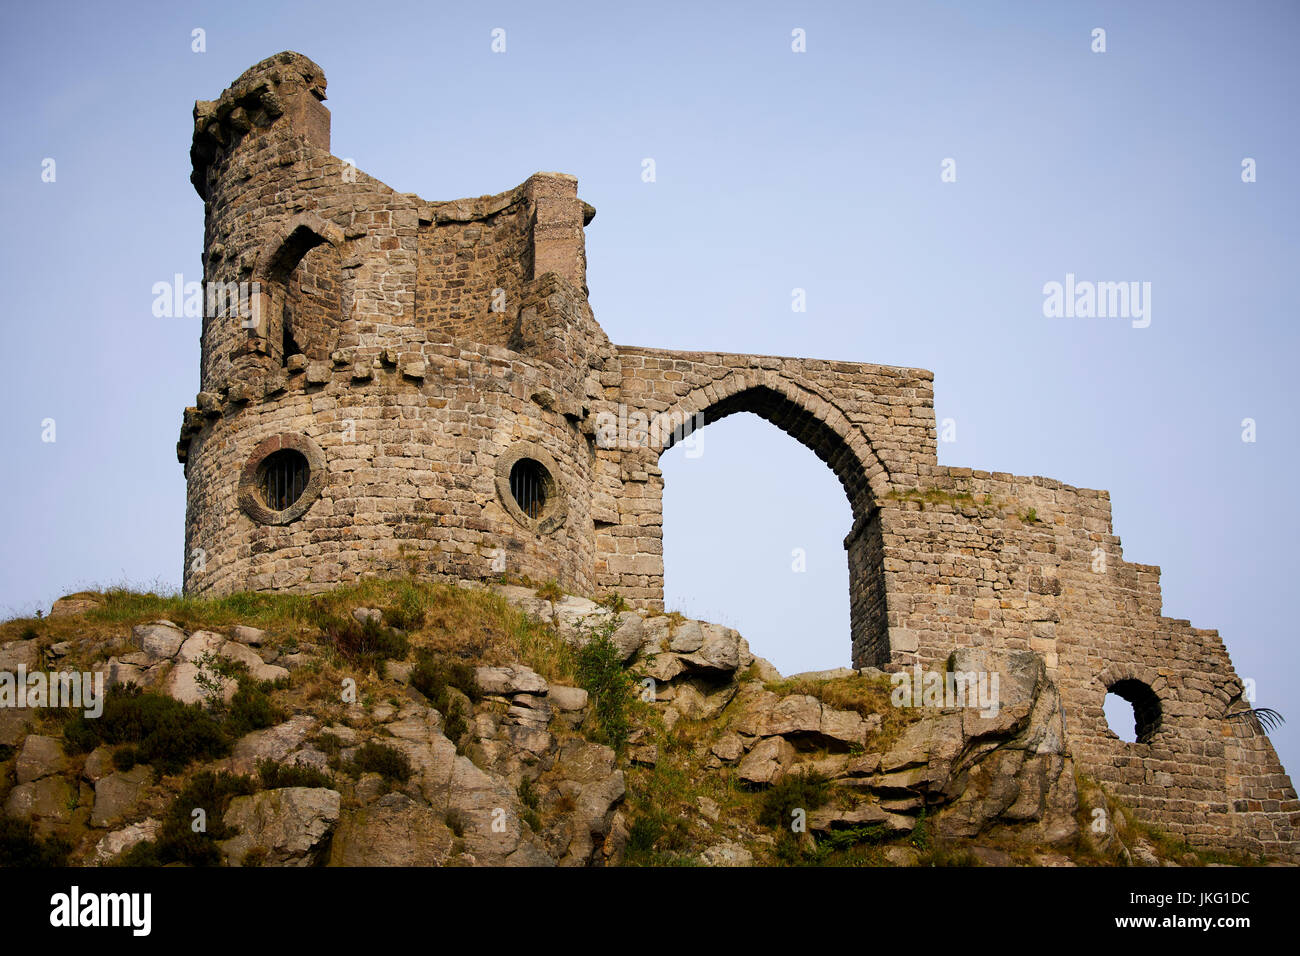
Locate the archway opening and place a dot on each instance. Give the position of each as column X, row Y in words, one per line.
column 754, row 528
column 304, row 287
column 1132, row 711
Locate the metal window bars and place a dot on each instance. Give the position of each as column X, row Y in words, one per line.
column 528, row 487
column 284, row 478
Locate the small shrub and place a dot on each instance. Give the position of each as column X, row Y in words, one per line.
column 600, row 671
column 796, row 791
column 211, row 674
column 378, row 758
column 177, row 841
column 164, row 732
column 434, row 673
column 615, row 602
column 407, row 612
column 530, row 798
column 642, row 835
column 278, row 775
column 849, row 837
column 21, row 847
column 365, row 645
column 550, row 591
column 251, row 708
column 920, row 837
column 655, row 837
column 124, row 758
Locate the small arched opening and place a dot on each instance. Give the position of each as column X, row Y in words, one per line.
column 1132, row 710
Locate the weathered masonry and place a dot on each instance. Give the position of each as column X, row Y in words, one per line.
column 422, row 384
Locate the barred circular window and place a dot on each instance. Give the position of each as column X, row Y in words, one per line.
column 281, row 479
column 527, row 486
column 528, row 481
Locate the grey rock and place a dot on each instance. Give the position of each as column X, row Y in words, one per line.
column 48, row 801
column 40, row 757
column 363, row 614
column 113, row 845
column 182, row 684
column 14, row 722
column 117, row 794
column 258, row 669
column 199, row 644
column 159, row 640
column 16, row 654
column 274, row 743
column 252, row 636
column 120, row 672
column 393, row 831
column 291, row 825
column 99, row 764
column 567, row 698
column 727, row 854
column 768, row 762
column 688, row 638
column 512, row 679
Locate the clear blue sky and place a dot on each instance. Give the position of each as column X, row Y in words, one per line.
column 775, row 170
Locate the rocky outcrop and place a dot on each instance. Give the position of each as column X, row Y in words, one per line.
column 513, row 776
column 288, row 827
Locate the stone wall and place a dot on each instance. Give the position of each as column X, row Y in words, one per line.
column 979, row 559
column 414, row 353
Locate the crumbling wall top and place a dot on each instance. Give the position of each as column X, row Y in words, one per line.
column 287, row 84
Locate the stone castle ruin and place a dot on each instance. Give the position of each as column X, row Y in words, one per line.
column 417, row 384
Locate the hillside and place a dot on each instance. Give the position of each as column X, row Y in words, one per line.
column 403, row 723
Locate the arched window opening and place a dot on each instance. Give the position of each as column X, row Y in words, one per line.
column 1132, row 711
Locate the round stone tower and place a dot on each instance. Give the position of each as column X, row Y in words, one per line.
column 387, row 384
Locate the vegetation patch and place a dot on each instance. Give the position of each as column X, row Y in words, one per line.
column 162, row 731
column 21, row 847
column 276, row 776
column 608, row 685
column 378, row 758
column 861, row 693
column 364, row 645
column 189, row 836
column 804, row 791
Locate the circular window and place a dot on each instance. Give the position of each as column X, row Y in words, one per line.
column 281, row 479
column 528, row 480
column 527, row 486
